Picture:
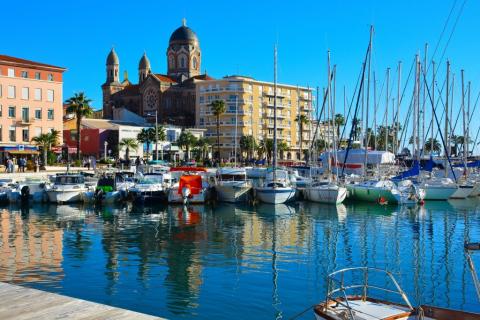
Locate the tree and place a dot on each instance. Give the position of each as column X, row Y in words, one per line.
column 79, row 105
column 302, row 120
column 282, row 147
column 436, row 145
column 248, row 144
column 128, row 143
column 146, row 135
column 261, row 148
column 218, row 108
column 187, row 140
column 203, row 144
column 339, row 121
column 46, row 141
column 162, row 136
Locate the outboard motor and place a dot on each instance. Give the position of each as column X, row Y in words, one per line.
column 186, row 193
column 99, row 194
column 25, row 194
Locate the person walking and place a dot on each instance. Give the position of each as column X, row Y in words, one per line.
column 9, row 165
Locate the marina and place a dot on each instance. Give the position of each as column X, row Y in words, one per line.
column 181, row 262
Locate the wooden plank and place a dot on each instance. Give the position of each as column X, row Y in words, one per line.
column 22, row 303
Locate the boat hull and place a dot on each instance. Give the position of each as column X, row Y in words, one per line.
column 438, row 192
column 331, row 195
column 66, row 196
column 368, row 194
column 462, row 192
column 174, row 197
column 233, row 193
column 275, row 195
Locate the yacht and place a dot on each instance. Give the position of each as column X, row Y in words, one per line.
column 151, row 187
column 407, row 193
column 232, row 185
column 67, row 188
column 276, row 188
column 438, row 188
column 379, row 191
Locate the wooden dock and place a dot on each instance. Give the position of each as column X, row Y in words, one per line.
column 18, row 302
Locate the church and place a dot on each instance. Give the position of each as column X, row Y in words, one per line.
column 171, row 95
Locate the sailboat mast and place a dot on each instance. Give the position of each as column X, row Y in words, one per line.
column 374, row 109
column 328, row 115
column 387, row 99
column 445, row 164
column 414, row 118
column 274, row 111
column 467, row 133
column 397, row 123
column 464, row 120
column 433, row 107
column 424, row 98
column 236, row 127
column 368, row 100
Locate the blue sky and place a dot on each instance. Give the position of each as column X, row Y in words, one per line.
column 238, row 36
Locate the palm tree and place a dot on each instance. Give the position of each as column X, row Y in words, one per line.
column 261, row 148
column 79, row 104
column 187, row 140
column 428, row 145
column 302, row 120
column 146, row 136
column 247, row 144
column 162, row 136
column 218, row 108
column 282, row 147
column 339, row 121
column 46, row 141
column 128, row 143
column 203, row 144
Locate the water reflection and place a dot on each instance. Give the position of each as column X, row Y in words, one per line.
column 178, row 262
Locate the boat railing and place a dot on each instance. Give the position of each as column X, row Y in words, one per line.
column 337, row 287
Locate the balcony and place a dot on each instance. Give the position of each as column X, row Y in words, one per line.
column 279, row 105
column 280, row 94
column 24, row 122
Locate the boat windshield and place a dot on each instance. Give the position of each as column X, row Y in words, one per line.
column 233, row 177
column 69, row 179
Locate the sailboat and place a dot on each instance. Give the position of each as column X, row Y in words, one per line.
column 327, row 191
column 277, row 187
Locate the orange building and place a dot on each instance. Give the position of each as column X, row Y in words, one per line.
column 30, row 103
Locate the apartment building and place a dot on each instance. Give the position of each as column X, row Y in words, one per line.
column 30, row 103
column 249, row 111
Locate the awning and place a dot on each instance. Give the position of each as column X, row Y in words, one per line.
column 23, row 152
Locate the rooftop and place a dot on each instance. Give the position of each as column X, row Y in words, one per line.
column 4, row 59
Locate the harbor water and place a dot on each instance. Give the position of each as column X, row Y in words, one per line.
column 228, row 261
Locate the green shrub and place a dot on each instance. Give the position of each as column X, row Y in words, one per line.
column 77, row 163
column 51, row 158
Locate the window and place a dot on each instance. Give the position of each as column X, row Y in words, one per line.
column 50, row 95
column 11, row 92
column 194, row 63
column 25, row 93
column 182, row 62
column 25, row 114
column 11, row 111
column 37, row 94
column 1, row 110
column 37, row 75
column 73, row 135
column 11, row 133
column 38, row 131
column 11, row 72
column 202, row 99
column 25, row 135
column 24, row 74
column 38, row 113
column 50, row 114
column 50, row 77
column 1, row 134
column 0, row 90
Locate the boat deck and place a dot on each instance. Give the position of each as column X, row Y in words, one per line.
column 22, row 303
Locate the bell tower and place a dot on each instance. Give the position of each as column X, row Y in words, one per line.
column 112, row 83
column 183, row 53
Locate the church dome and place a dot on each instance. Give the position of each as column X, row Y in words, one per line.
column 144, row 62
column 112, row 58
column 183, row 33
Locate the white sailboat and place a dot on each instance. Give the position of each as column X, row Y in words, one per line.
column 277, row 187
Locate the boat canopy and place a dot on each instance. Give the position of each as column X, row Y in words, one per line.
column 232, row 171
column 374, row 157
column 194, row 183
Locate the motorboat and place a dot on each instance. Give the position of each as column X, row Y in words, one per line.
column 256, row 172
column 29, row 190
column 190, row 185
column 276, row 188
column 232, row 185
column 108, row 191
column 349, row 297
column 151, row 187
column 379, row 191
column 325, row 192
column 68, row 188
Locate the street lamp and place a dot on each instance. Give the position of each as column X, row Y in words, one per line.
column 105, row 145
column 156, row 132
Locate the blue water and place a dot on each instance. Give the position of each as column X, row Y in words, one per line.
column 232, row 261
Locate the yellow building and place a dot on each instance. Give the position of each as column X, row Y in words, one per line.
column 249, row 108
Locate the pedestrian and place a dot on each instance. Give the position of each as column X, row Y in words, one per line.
column 9, row 165
column 94, row 163
column 89, row 162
